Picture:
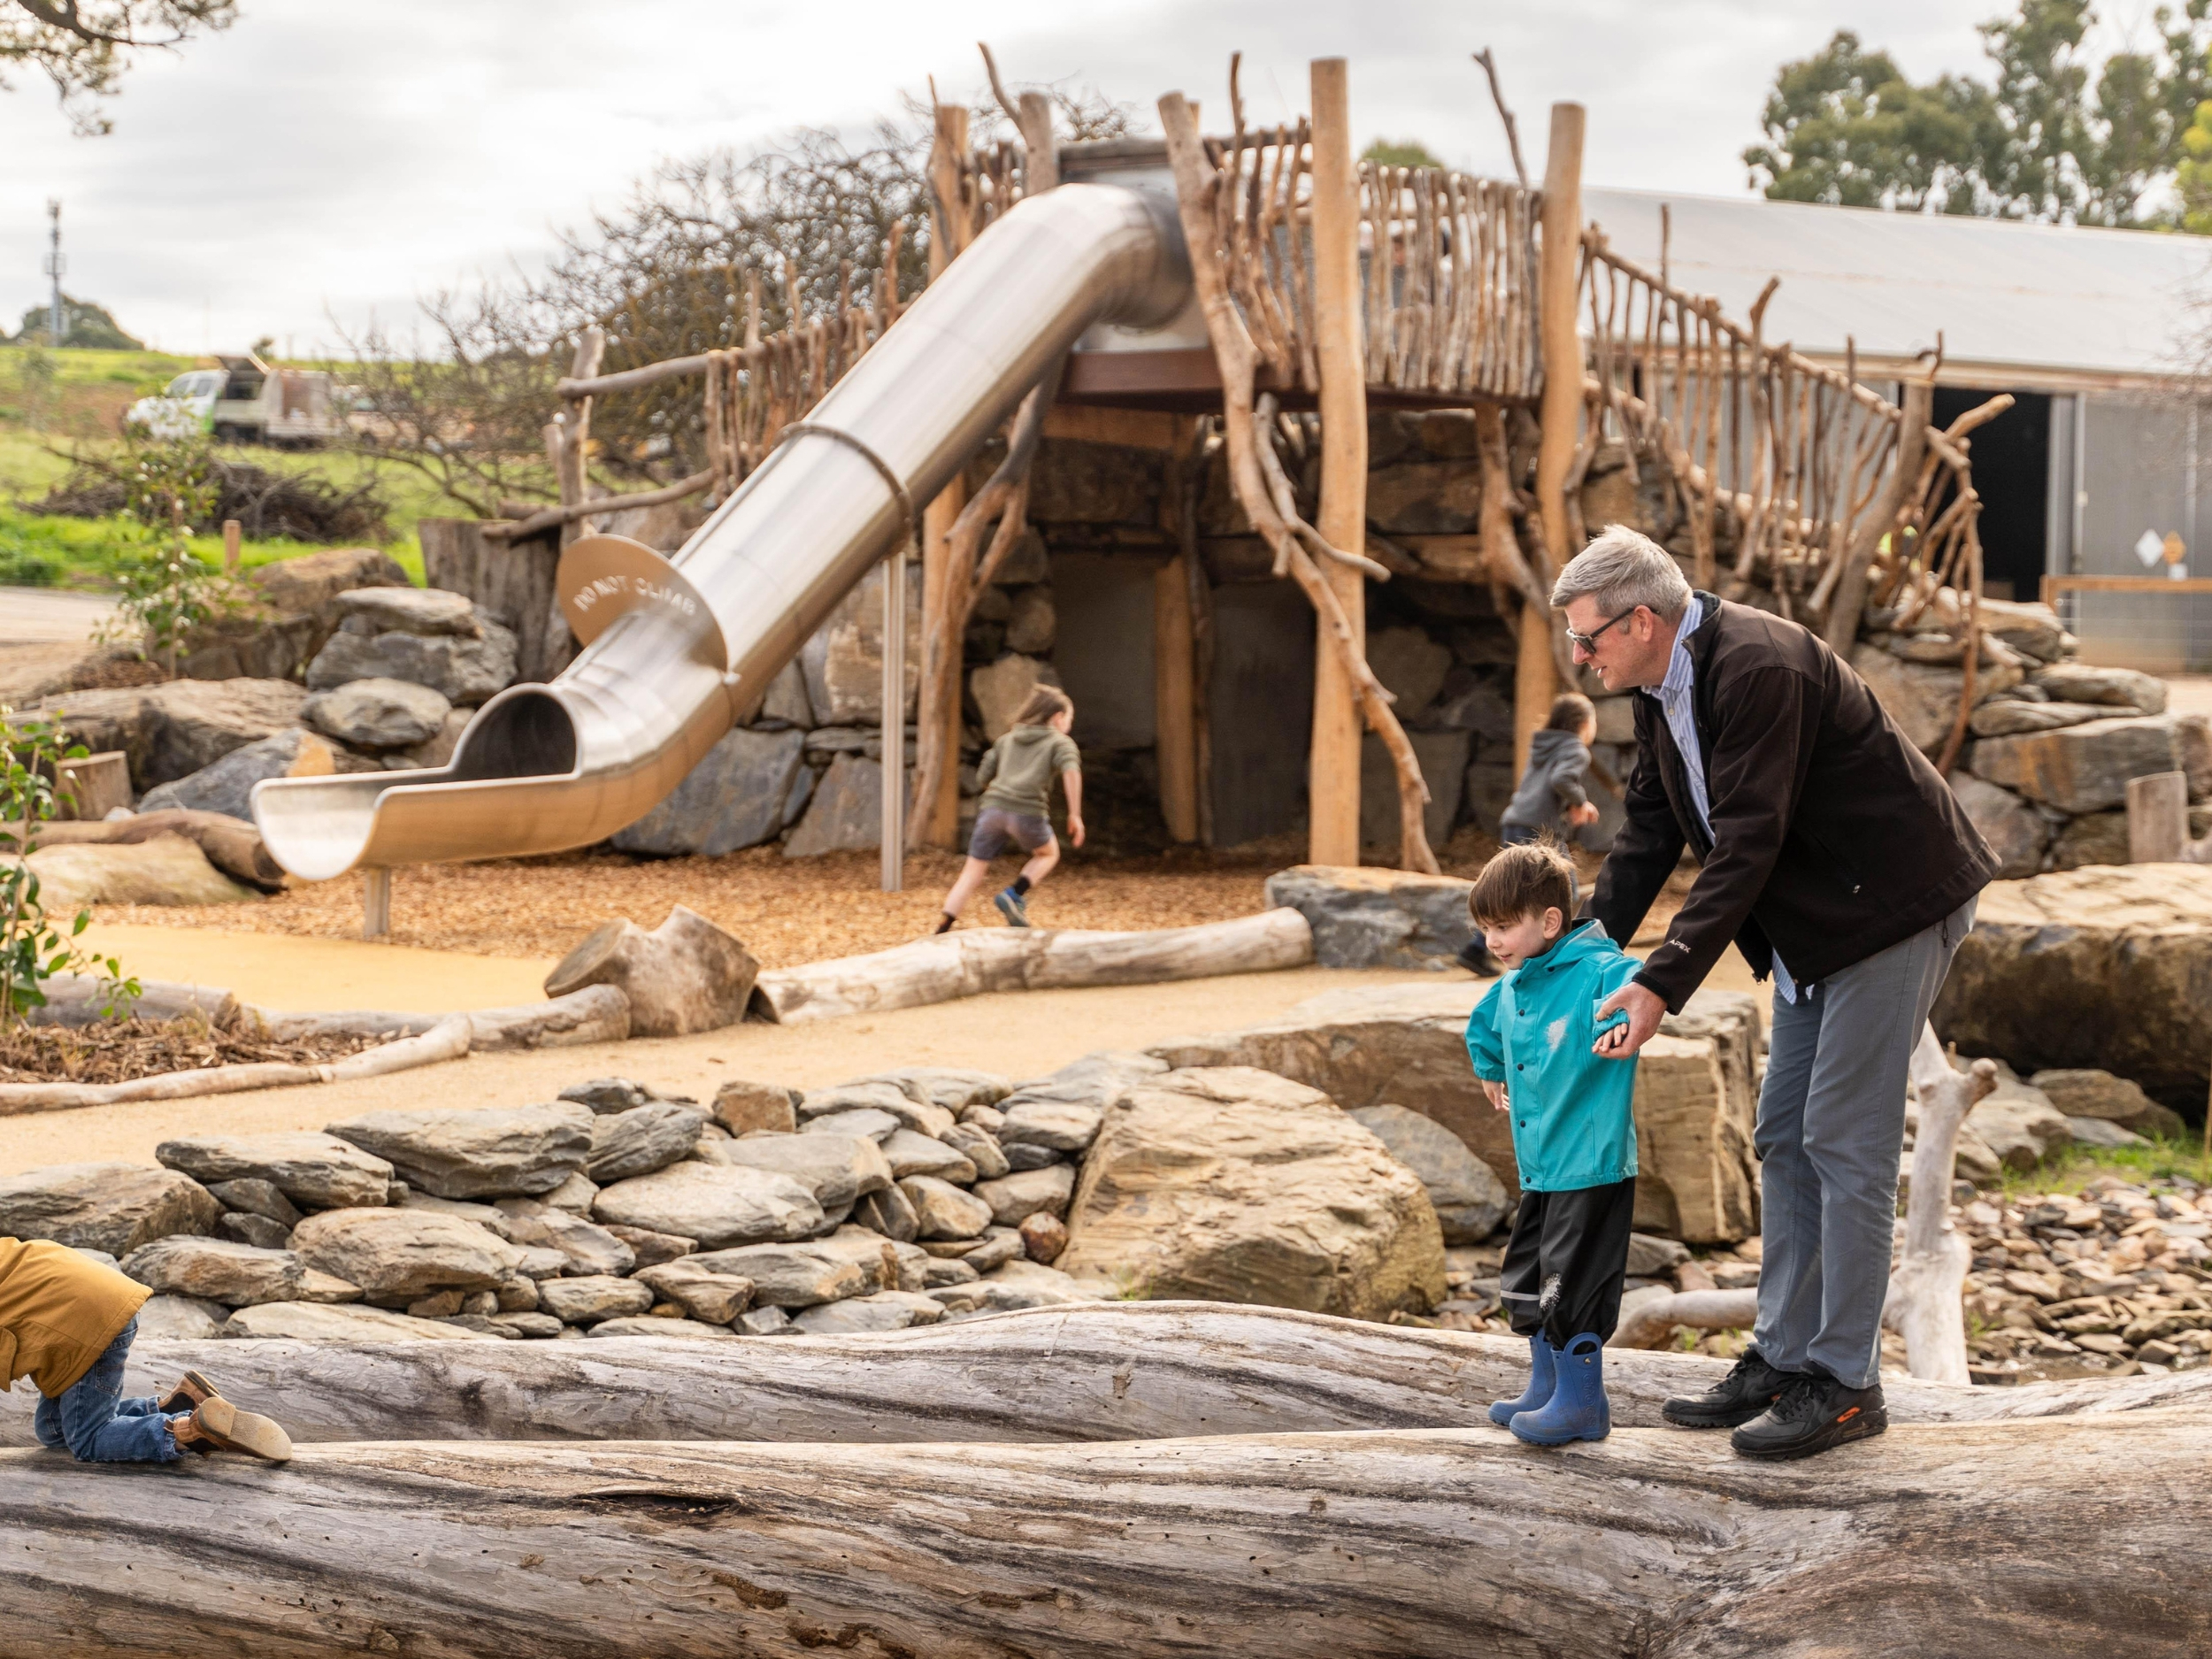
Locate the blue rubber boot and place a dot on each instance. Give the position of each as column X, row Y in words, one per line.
column 1577, row 1410
column 1542, row 1375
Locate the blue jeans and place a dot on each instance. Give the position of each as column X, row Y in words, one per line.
column 1831, row 1117
column 94, row 1421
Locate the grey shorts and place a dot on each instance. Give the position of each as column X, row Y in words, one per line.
column 997, row 829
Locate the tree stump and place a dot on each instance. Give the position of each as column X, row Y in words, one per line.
column 684, row 976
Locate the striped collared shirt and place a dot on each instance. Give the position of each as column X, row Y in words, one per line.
column 1673, row 697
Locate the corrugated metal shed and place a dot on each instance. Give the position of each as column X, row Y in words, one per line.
column 2043, row 306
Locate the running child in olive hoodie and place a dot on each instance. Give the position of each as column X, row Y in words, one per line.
column 1532, row 1039
column 1016, row 777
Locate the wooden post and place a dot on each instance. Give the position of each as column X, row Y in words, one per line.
column 1332, row 770
column 376, row 903
column 570, row 461
column 1174, row 697
column 1535, row 680
column 2158, row 818
column 233, row 533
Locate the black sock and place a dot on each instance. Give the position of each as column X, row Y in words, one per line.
column 1021, row 886
column 944, row 922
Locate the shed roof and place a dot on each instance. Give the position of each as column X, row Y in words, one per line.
column 2062, row 306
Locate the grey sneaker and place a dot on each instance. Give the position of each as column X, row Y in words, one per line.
column 1012, row 907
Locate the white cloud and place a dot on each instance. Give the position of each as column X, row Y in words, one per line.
column 326, row 158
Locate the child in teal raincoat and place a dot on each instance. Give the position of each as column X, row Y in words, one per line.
column 1533, row 1040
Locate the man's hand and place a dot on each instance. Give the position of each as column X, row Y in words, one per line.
column 1075, row 830
column 1496, row 1092
column 1645, row 1011
column 1586, row 813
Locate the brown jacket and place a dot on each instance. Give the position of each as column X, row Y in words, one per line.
column 59, row 1312
column 1833, row 837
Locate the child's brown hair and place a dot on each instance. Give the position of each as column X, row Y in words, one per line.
column 1044, row 703
column 1523, row 881
column 1570, row 711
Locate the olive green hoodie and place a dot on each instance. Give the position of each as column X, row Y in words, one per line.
column 1017, row 775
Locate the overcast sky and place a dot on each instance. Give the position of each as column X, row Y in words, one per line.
column 335, row 158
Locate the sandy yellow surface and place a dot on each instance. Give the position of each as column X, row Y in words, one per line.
column 310, row 975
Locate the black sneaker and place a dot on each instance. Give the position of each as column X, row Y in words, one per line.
column 1746, row 1392
column 1813, row 1415
column 1013, row 907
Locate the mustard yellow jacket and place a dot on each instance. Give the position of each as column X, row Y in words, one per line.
column 59, row 1312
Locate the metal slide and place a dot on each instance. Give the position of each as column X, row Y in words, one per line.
column 676, row 651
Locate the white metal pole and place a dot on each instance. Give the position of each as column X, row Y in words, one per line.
column 376, row 903
column 895, row 721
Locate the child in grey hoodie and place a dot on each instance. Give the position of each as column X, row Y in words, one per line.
column 1551, row 796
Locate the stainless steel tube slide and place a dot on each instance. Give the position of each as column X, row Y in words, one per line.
column 676, row 651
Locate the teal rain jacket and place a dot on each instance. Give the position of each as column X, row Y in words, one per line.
column 1573, row 1122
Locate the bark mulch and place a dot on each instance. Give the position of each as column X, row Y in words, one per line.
column 122, row 1050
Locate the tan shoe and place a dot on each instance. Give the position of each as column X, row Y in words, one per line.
column 218, row 1424
column 190, row 1390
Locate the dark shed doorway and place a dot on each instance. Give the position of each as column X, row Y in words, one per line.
column 2012, row 475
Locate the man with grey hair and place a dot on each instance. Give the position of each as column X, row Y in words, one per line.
column 1834, row 857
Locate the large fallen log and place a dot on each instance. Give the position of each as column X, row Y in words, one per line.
column 1986, row 1539
column 232, row 845
column 954, row 965
column 1098, row 1371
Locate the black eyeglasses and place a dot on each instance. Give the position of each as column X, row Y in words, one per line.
column 1587, row 643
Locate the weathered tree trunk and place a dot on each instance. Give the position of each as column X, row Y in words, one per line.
column 954, row 965
column 1102, row 1371
column 1931, row 1277
column 1993, row 1538
column 1700, row 1310
column 232, row 847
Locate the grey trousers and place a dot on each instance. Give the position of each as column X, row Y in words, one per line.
column 1831, row 1122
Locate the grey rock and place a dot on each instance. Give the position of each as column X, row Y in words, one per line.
column 742, row 1107
column 527, row 1325
column 732, row 798
column 942, row 1211
column 2015, row 832
column 825, row 740
column 1014, row 1198
column 521, row 1151
column 1481, row 708
column 883, row 1311
column 1411, row 667
column 378, row 714
column 1016, row 1284
column 838, row 1170
column 2081, row 769
column 2094, row 838
column 711, row 1297
column 951, row 1089
column 483, row 1215
column 946, row 1270
column 865, row 1121
column 403, row 1254
column 2116, row 687
column 999, row 1246
column 1468, row 1199
column 179, row 1318
column 979, row 1147
column 786, row 702
column 605, row 1094
column 588, row 1301
column 1031, row 622
column 423, row 610
column 794, row 804
column 659, row 1330
column 1488, row 792
column 1650, row 1258
column 1022, row 1156
column 517, row 1293
column 889, row 1213
column 687, row 975
column 460, row 669
column 641, row 1141
column 923, row 1117
column 843, row 660
column 1057, row 1124
column 1922, row 698
column 771, row 1321
column 317, row 1286
column 2006, row 716
column 987, row 1118
column 911, row 1154
column 2102, row 1132
column 316, row 1322
column 2019, row 1124
column 215, row 1270
column 845, row 813
column 1364, row 918
column 315, row 1172
column 244, row 1227
column 652, row 1249
column 719, row 1205
column 2087, row 1093
column 111, row 1207
column 575, row 1195
column 1442, row 759
column 227, row 787
column 792, row 1275
column 256, row 1197
column 591, row 1249
column 1044, row 1236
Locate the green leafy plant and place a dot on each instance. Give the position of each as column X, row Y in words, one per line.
column 34, row 948
column 169, row 486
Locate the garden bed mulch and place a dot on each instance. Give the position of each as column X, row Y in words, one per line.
column 124, row 1050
